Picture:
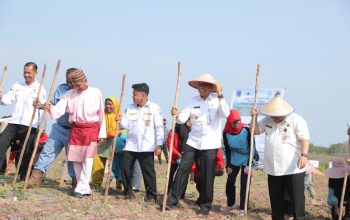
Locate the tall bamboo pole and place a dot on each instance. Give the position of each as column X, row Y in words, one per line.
column 29, row 128
column 4, row 72
column 114, row 142
column 252, row 141
column 345, row 181
column 42, row 124
column 172, row 137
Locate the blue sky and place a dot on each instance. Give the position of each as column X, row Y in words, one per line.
column 302, row 46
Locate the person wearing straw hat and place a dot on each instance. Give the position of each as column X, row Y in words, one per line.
column 58, row 138
column 145, row 135
column 205, row 112
column 85, row 107
column 285, row 155
column 22, row 94
column 336, row 175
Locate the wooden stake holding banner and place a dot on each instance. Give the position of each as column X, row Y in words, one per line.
column 29, row 128
column 4, row 72
column 172, row 137
column 345, row 181
column 42, row 124
column 252, row 141
column 114, row 142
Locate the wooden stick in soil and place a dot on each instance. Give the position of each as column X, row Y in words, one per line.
column 4, row 72
column 252, row 141
column 114, row 142
column 42, row 124
column 29, row 128
column 172, row 137
column 345, row 182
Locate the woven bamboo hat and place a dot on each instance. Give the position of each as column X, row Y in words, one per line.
column 205, row 78
column 338, row 168
column 276, row 107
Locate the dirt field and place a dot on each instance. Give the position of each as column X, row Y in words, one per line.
column 54, row 202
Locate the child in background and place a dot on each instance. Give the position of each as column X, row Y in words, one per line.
column 336, row 176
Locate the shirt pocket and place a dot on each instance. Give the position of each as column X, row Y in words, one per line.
column 132, row 122
column 196, row 116
column 147, row 119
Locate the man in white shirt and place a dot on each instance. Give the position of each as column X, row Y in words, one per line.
column 285, row 155
column 23, row 95
column 144, row 122
column 205, row 112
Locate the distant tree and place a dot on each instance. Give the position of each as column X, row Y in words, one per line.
column 338, row 149
column 317, row 149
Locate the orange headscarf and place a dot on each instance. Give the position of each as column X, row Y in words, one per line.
column 111, row 124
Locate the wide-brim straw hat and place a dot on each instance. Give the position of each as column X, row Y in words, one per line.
column 205, row 78
column 276, row 107
column 338, row 169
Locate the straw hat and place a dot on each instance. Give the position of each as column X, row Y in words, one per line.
column 78, row 75
column 337, row 170
column 205, row 78
column 276, row 107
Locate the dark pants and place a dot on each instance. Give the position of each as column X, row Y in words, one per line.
column 165, row 152
column 173, row 169
column 335, row 216
column 231, row 187
column 295, row 188
column 147, row 167
column 207, row 160
column 11, row 133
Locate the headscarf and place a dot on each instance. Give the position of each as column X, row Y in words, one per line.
column 111, row 124
column 234, row 116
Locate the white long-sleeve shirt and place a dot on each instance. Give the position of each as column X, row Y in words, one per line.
column 205, row 116
column 145, row 127
column 85, row 106
column 23, row 96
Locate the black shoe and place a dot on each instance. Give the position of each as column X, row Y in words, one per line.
column 78, row 195
column 151, row 200
column 170, row 207
column 87, row 195
column 204, row 210
column 126, row 196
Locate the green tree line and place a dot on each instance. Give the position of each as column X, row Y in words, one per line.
column 334, row 149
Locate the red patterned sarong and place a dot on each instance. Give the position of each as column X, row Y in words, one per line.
column 83, row 141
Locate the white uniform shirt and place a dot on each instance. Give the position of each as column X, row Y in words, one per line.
column 23, row 96
column 205, row 116
column 145, row 127
column 282, row 144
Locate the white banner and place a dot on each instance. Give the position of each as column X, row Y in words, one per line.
column 243, row 100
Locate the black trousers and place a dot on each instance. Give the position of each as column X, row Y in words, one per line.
column 294, row 184
column 231, row 187
column 147, row 167
column 11, row 133
column 173, row 169
column 207, row 160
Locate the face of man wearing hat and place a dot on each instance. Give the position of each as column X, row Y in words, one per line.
column 278, row 119
column 204, row 89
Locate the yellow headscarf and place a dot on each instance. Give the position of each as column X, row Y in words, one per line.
column 111, row 124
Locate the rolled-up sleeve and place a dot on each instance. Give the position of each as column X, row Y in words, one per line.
column 9, row 97
column 184, row 115
column 301, row 129
column 224, row 109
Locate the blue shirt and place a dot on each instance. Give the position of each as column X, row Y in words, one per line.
column 59, row 92
column 239, row 147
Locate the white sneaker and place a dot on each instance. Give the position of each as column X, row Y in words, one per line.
column 226, row 209
column 241, row 212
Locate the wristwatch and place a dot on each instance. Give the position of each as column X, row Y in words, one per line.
column 304, row 155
